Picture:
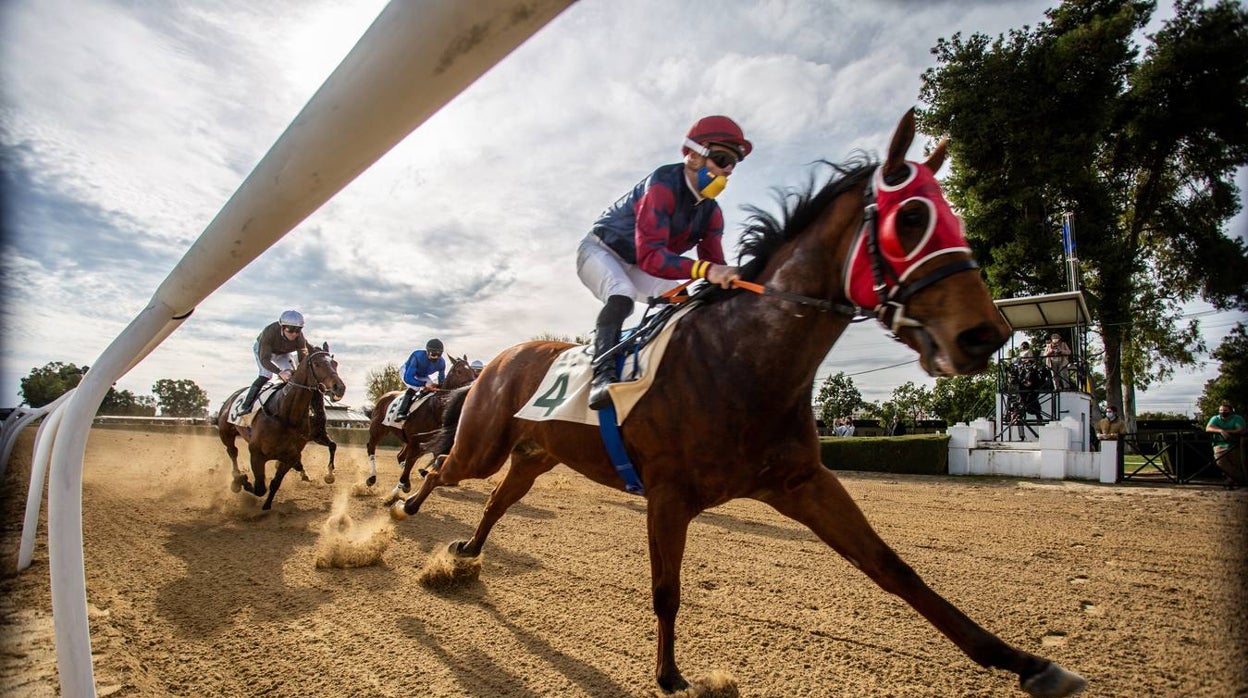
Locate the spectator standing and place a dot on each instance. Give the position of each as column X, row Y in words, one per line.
column 1228, row 431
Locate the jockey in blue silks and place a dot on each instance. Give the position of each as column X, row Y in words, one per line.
column 418, row 374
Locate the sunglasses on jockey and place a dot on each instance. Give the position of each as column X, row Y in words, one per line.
column 722, row 159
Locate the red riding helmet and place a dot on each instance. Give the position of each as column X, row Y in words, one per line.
column 720, row 130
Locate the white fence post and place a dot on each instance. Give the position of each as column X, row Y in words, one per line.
column 414, row 59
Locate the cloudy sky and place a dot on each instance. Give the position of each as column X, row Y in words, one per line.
column 125, row 126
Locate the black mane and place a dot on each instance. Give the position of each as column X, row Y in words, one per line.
column 765, row 234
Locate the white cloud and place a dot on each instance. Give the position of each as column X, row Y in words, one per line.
column 132, row 124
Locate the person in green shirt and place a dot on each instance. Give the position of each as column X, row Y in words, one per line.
column 1228, row 430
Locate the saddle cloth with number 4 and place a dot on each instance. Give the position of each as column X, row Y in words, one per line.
column 564, row 392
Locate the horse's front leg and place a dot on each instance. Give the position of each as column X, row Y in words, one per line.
column 333, row 448
column 667, row 525
column 282, row 467
column 822, row 503
column 257, row 472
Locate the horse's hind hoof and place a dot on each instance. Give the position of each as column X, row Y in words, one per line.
column 329, row 478
column 236, row 485
column 372, row 480
column 1053, row 682
column 407, row 486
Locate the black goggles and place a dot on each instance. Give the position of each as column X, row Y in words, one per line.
column 289, row 328
column 722, row 159
column 435, row 354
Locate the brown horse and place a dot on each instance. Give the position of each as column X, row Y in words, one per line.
column 724, row 419
column 423, row 418
column 283, row 426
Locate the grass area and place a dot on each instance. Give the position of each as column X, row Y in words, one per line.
column 1131, row 462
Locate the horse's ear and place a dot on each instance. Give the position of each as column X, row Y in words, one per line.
column 325, row 347
column 937, row 158
column 902, row 138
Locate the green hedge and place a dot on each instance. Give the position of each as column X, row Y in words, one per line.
column 921, row 454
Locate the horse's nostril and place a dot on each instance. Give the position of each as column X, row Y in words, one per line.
column 981, row 340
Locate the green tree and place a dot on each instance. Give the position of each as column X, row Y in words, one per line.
column 965, row 398
column 125, row 403
column 552, row 337
column 180, row 398
column 913, row 402
column 1231, row 384
column 43, row 385
column 837, row 398
column 1142, row 149
column 386, row 380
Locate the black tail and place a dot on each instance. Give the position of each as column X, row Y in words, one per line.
column 442, row 439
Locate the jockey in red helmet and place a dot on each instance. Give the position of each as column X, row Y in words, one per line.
column 635, row 249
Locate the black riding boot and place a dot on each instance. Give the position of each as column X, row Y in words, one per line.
column 252, row 394
column 405, row 405
column 607, row 335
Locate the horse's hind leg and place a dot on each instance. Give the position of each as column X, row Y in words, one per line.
column 526, row 465
column 237, row 479
column 823, row 504
column 469, row 458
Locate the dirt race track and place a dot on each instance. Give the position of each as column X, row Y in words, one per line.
column 193, row 592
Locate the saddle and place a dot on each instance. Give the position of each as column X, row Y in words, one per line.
column 244, row 420
column 563, row 394
column 393, row 410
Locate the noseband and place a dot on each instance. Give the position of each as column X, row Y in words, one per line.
column 312, row 371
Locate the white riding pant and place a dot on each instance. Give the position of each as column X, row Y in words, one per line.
column 605, row 274
column 285, row 362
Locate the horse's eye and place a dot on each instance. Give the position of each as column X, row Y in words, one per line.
column 914, row 217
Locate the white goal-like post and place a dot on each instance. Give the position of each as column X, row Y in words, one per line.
column 415, row 57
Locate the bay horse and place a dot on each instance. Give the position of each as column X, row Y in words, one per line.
column 282, row 427
column 422, row 419
column 725, row 420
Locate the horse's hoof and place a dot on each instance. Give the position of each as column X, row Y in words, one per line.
column 407, row 486
column 372, row 480
column 329, row 478
column 457, row 549
column 236, row 485
column 671, row 684
column 1053, row 682
column 422, row 472
column 397, row 512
